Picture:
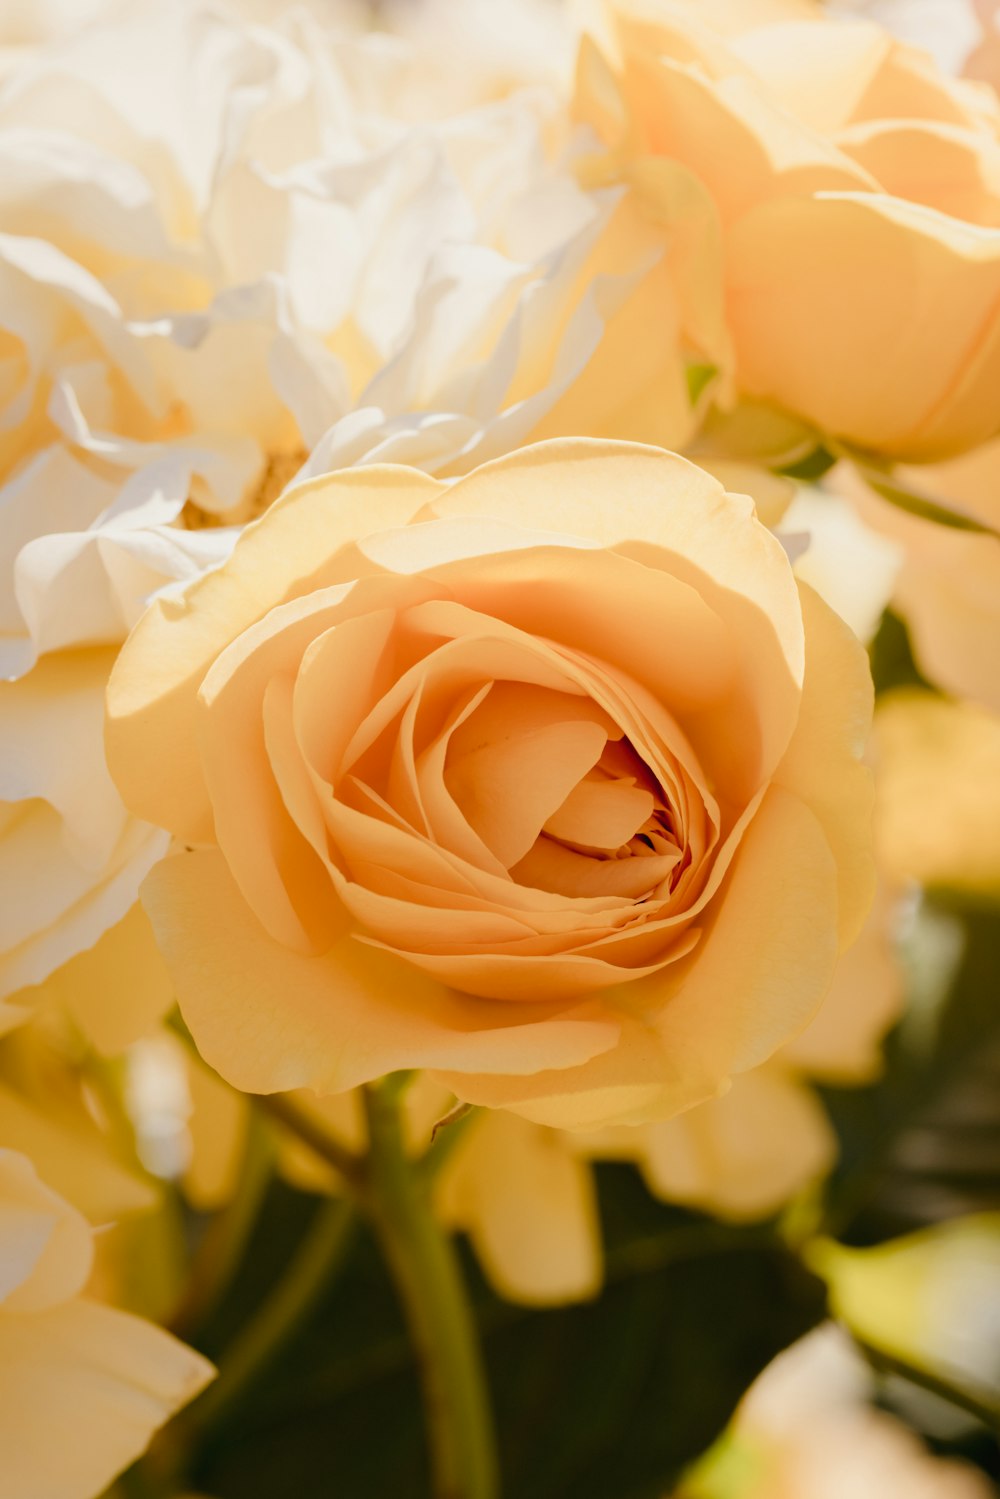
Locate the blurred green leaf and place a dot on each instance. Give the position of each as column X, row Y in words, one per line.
column 901, row 491
column 922, row 1144
column 891, row 656
column 698, row 377
column 608, row 1400
column 812, row 467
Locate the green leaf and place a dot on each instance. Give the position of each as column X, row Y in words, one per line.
column 812, row 467
column 922, row 1144
column 891, row 656
column 904, row 494
column 699, row 377
column 609, row 1400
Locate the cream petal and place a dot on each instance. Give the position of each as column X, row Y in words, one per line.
column 551, row 591
column 82, row 1389
column 923, row 386
column 115, row 991
column 819, row 70
column 274, row 866
column 535, row 978
column 72, row 1155
column 747, row 1152
column 149, row 708
column 674, row 519
column 60, row 907
column 530, row 1208
column 732, row 137
column 822, row 764
column 946, row 167
column 60, row 701
column 46, row 1248
column 269, row 1019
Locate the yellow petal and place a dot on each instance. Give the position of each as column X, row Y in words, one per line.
column 822, row 763
column 270, row 1019
column 152, row 696
column 82, row 1389
column 874, row 318
column 73, row 1157
column 938, row 807
column 530, row 1207
column 116, row 991
column 47, row 1245
column 758, row 974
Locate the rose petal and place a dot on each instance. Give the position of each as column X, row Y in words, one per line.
column 269, row 1019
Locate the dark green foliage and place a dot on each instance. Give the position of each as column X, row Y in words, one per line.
column 922, row 1144
column 604, row 1401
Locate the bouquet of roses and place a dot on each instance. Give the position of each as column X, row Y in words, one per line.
column 499, row 749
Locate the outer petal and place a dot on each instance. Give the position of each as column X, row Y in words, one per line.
column 269, row 1019
column 842, row 1043
column 943, row 756
column 742, row 1155
column 529, row 1205
column 74, row 1157
column 742, row 147
column 116, row 991
column 46, row 1248
column 82, row 1389
column 152, row 697
column 822, row 764
column 874, row 318
column 712, row 541
column 948, row 587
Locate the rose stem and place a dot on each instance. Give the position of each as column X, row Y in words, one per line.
column 424, row 1266
column 284, row 1111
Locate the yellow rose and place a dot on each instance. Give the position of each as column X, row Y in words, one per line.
column 82, row 1386
column 545, row 781
column 858, row 193
column 164, row 368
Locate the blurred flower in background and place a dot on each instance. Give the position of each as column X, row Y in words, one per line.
column 807, row 1430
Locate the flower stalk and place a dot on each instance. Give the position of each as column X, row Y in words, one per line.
column 424, row 1266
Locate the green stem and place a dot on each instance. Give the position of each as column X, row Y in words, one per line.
column 423, row 1263
column 286, row 1112
column 304, row 1281
column 219, row 1255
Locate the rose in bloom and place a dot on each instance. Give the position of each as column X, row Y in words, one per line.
column 545, row 781
column 857, row 192
column 82, row 1386
column 434, row 287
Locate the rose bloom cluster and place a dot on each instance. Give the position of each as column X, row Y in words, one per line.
column 411, row 661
